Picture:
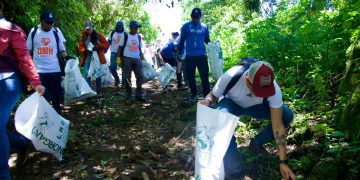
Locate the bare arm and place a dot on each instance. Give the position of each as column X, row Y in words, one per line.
column 209, row 99
column 280, row 139
column 279, row 131
column 160, row 56
column 63, row 54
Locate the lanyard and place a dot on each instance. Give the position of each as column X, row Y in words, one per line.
column 195, row 45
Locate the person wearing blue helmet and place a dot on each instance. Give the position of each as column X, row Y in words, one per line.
column 196, row 35
column 114, row 39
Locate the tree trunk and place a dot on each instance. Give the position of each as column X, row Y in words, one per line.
column 349, row 117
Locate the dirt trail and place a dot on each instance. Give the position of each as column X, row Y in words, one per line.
column 127, row 140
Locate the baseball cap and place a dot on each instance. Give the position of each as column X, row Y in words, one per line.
column 134, row 24
column 175, row 34
column 47, row 17
column 88, row 24
column 261, row 75
column 196, row 13
column 119, row 24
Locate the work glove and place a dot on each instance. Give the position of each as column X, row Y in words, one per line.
column 118, row 61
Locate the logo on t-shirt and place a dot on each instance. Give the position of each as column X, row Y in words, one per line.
column 133, row 47
column 117, row 40
column 45, row 50
column 45, row 41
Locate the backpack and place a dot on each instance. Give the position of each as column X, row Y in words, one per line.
column 61, row 60
column 246, row 62
column 33, row 36
column 125, row 42
column 111, row 35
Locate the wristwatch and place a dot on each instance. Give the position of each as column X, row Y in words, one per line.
column 283, row 161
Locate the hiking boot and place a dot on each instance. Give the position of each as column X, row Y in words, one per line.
column 193, row 99
column 255, row 149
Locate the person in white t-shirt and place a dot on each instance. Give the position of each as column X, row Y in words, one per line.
column 255, row 93
column 114, row 39
column 131, row 55
column 46, row 44
column 157, row 47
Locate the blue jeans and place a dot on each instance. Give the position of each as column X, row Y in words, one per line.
column 10, row 92
column 260, row 111
column 54, row 91
column 88, row 80
column 113, row 67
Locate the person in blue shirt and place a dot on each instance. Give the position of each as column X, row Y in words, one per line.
column 168, row 55
column 196, row 35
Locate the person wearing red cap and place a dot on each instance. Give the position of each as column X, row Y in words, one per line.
column 254, row 93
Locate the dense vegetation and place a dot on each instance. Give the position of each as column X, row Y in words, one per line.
column 314, row 47
column 70, row 16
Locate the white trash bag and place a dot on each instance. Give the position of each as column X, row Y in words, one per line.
column 148, row 71
column 75, row 86
column 165, row 74
column 96, row 69
column 214, row 130
column 108, row 58
column 39, row 122
column 108, row 79
column 215, row 60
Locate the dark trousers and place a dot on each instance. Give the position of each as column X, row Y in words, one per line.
column 171, row 61
column 131, row 64
column 53, row 92
column 201, row 63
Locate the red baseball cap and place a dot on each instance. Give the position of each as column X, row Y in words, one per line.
column 261, row 75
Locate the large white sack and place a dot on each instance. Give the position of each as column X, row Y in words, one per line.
column 108, row 57
column 108, row 79
column 75, row 86
column 149, row 72
column 96, row 69
column 215, row 60
column 214, row 130
column 36, row 119
column 165, row 74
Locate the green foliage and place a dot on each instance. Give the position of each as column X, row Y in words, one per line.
column 70, row 16
column 313, row 46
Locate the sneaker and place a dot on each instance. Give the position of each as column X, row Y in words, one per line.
column 23, row 157
column 99, row 94
column 193, row 99
column 255, row 149
column 140, row 99
column 117, row 84
column 180, row 85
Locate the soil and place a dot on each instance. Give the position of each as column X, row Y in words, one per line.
column 118, row 138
